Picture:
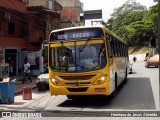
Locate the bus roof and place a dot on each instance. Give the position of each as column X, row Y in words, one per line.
column 98, row 26
column 76, row 27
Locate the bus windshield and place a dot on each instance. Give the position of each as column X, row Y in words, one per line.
column 78, row 56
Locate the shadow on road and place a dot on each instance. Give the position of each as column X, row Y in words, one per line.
column 133, row 73
column 135, row 94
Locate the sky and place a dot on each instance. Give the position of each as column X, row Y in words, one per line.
column 108, row 6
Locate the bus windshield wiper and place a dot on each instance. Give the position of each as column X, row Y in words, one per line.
column 85, row 44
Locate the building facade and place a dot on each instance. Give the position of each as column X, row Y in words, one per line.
column 23, row 27
column 13, row 30
column 47, row 10
column 70, row 15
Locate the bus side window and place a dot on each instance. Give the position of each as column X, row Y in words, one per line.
column 109, row 48
column 115, row 49
column 112, row 47
column 108, row 39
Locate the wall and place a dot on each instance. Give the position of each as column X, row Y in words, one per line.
column 45, row 3
column 72, row 9
column 34, row 71
column 17, row 11
column 53, row 24
column 38, row 3
column 69, row 12
column 14, row 4
column 69, row 3
column 10, row 41
column 36, row 29
column 19, row 22
column 65, row 25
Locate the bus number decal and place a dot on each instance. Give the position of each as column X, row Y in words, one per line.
column 62, row 37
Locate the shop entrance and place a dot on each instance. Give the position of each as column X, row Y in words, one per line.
column 10, row 57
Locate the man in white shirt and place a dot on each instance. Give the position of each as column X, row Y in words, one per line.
column 26, row 71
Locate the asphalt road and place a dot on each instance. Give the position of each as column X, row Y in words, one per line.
column 139, row 93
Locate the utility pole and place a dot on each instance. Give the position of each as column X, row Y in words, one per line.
column 158, row 27
column 159, row 36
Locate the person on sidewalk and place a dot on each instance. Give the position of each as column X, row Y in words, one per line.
column 26, row 71
column 11, row 65
column 134, row 59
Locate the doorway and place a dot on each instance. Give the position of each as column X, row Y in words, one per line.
column 11, row 54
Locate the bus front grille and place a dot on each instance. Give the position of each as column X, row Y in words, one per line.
column 77, row 89
column 80, row 83
column 84, row 77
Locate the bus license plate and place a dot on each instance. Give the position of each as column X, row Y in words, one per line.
column 100, row 89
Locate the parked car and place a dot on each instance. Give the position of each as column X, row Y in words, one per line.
column 43, row 82
column 153, row 61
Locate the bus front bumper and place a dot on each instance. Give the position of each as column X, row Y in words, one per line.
column 103, row 89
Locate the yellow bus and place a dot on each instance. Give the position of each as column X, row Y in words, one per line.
column 86, row 60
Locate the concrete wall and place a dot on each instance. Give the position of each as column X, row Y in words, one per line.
column 68, row 3
column 71, row 8
column 70, row 12
column 38, row 3
column 65, row 25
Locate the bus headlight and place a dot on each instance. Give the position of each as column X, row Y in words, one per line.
column 102, row 78
column 99, row 81
column 56, row 82
column 53, row 80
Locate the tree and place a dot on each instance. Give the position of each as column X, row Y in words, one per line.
column 103, row 22
column 129, row 6
column 120, row 15
column 134, row 23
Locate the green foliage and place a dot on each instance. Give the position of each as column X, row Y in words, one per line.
column 133, row 16
column 134, row 23
column 129, row 6
column 103, row 23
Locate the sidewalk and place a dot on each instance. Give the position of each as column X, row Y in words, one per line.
column 19, row 102
column 19, row 85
